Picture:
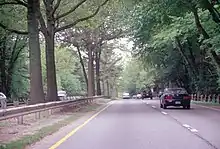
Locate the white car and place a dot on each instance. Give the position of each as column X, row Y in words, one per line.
column 139, row 96
column 62, row 95
column 3, row 103
column 126, row 96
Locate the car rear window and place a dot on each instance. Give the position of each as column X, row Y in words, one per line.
column 176, row 90
column 126, row 94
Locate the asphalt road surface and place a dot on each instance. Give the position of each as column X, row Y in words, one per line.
column 137, row 124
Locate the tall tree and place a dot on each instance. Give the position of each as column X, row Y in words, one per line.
column 50, row 27
column 36, row 89
column 33, row 9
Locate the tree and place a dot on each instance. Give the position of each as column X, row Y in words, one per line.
column 110, row 68
column 12, row 62
column 91, row 40
column 33, row 8
column 67, row 73
column 49, row 28
column 50, row 23
column 180, row 53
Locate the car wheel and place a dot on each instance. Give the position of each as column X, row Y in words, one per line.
column 161, row 106
column 188, row 107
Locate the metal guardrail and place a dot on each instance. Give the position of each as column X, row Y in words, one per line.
column 19, row 112
column 24, row 101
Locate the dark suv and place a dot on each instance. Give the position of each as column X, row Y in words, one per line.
column 147, row 94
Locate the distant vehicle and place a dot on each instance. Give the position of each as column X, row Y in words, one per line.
column 126, row 96
column 134, row 96
column 3, row 103
column 61, row 95
column 175, row 97
column 139, row 96
column 147, row 94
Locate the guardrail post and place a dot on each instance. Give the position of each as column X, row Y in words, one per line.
column 215, row 98
column 37, row 115
column 50, row 111
column 16, row 103
column 209, row 98
column 218, row 98
column 20, row 120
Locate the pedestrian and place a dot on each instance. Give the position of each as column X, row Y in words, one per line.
column 3, row 100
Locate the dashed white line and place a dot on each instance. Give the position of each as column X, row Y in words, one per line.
column 185, row 125
column 164, row 113
column 153, row 106
column 190, row 128
column 193, row 130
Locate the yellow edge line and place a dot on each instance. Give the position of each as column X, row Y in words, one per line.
column 76, row 129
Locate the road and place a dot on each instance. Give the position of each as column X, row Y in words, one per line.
column 137, row 124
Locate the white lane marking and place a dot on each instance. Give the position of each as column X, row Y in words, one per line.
column 193, row 130
column 207, row 107
column 190, row 128
column 153, row 106
column 185, row 125
column 164, row 113
column 146, row 103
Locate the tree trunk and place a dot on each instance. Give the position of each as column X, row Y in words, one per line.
column 90, row 67
column 180, row 48
column 103, row 87
column 49, row 33
column 97, row 62
column 83, row 67
column 108, row 88
column 202, row 31
column 3, row 65
column 93, row 75
column 36, row 87
column 199, row 26
column 213, row 11
column 51, row 68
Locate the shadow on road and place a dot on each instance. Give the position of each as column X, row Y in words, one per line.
column 178, row 108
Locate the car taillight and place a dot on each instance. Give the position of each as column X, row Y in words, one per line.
column 187, row 97
column 168, row 97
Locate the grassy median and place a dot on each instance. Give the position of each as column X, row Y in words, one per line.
column 206, row 103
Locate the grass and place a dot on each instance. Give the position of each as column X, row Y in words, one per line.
column 206, row 103
column 45, row 131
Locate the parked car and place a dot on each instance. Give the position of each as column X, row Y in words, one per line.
column 175, row 97
column 126, row 96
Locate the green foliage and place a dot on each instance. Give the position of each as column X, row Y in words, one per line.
column 67, row 78
column 135, row 77
column 14, row 80
column 168, row 38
